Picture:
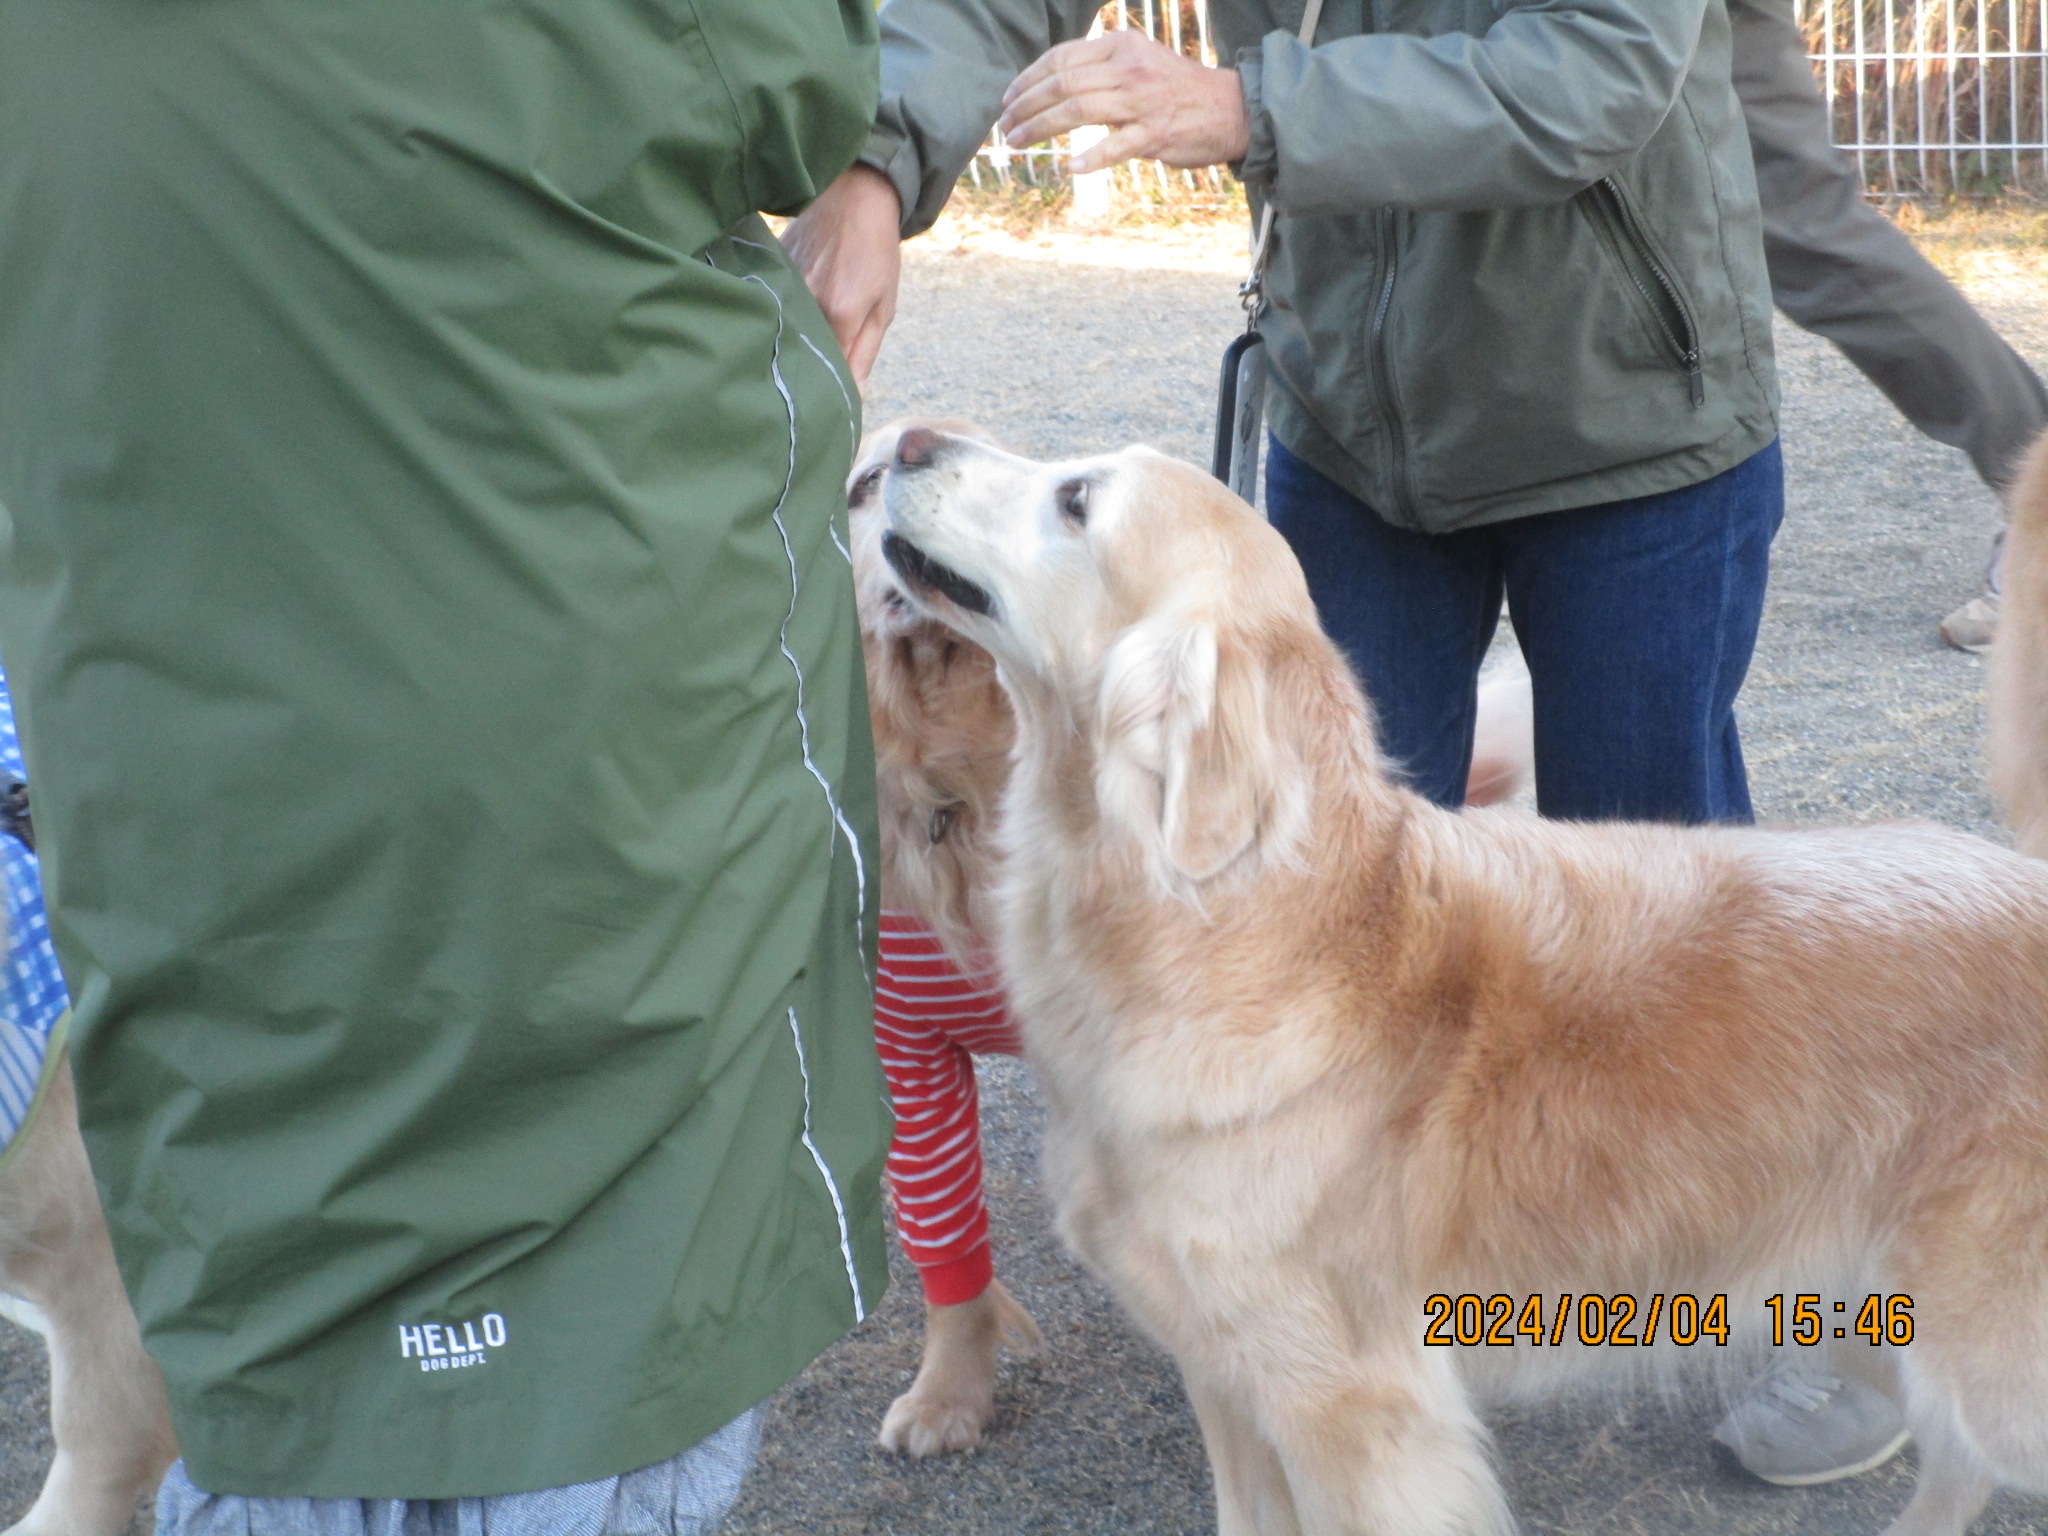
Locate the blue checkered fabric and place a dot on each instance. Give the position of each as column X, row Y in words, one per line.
column 32, row 995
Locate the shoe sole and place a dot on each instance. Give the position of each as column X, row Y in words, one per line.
column 1835, row 1474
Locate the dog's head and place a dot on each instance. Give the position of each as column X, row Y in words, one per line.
column 884, row 610
column 942, row 726
column 1136, row 601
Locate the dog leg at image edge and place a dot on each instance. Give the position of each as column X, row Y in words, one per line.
column 107, row 1409
column 1390, row 1453
column 1251, row 1485
column 2016, row 723
column 1953, row 1487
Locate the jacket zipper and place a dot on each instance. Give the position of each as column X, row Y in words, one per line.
column 1383, row 373
column 1672, row 313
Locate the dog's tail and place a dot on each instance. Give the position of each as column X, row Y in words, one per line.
column 2017, row 740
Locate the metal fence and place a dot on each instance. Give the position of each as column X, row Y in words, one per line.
column 1936, row 96
column 1931, row 96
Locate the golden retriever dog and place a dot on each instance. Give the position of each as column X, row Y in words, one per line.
column 943, row 736
column 107, row 1409
column 1315, row 1052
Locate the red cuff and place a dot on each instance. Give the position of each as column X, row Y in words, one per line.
column 952, row 1281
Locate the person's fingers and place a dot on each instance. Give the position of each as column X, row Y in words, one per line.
column 1130, row 142
column 847, row 248
column 1111, row 109
column 1065, row 56
column 867, row 342
column 845, row 293
column 861, row 314
column 1106, row 78
column 848, row 318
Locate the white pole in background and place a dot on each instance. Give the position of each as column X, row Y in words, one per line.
column 1094, row 192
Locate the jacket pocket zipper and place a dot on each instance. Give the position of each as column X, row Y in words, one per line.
column 1390, row 419
column 1674, row 316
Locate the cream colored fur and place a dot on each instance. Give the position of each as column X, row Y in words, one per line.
column 112, row 1427
column 1313, row 1050
column 943, row 734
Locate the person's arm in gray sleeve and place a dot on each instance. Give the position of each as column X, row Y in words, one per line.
column 945, row 65
column 1554, row 96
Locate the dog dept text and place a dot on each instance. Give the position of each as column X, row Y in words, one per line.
column 451, row 1346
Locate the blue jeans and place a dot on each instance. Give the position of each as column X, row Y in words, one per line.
column 1637, row 619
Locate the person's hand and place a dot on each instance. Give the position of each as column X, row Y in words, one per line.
column 847, row 247
column 1156, row 104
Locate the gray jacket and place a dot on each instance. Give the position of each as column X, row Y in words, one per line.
column 1518, row 262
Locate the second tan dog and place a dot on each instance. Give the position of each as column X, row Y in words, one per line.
column 942, row 733
column 1314, row 1051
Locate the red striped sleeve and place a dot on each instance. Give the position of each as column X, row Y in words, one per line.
column 931, row 1020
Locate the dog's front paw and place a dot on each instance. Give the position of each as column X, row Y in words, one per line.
column 954, row 1396
column 923, row 1422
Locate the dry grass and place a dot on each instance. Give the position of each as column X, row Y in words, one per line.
column 1982, row 243
column 1968, row 238
column 1144, row 195
column 1972, row 239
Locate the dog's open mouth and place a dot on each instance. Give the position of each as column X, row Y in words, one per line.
column 921, row 570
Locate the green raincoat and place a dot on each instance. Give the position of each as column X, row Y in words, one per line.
column 438, row 673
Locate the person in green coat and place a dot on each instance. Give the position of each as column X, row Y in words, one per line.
column 436, row 661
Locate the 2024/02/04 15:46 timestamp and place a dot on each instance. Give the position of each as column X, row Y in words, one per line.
column 1625, row 1320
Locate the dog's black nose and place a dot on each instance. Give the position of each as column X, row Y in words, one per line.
column 917, row 447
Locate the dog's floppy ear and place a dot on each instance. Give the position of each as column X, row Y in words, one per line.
column 1186, row 761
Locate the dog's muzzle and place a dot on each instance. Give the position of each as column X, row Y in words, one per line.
column 922, row 571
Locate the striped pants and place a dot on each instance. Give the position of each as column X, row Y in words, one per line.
column 931, row 1021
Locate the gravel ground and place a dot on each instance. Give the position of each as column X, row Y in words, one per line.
column 1854, row 712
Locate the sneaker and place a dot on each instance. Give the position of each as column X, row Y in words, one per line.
column 1803, row 1426
column 1971, row 626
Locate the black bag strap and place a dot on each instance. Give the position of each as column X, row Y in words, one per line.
column 1241, row 394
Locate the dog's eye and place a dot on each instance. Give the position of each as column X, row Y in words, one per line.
column 864, row 487
column 1073, row 502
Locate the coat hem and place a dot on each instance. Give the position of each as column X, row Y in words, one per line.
column 1302, row 436
column 582, row 1440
